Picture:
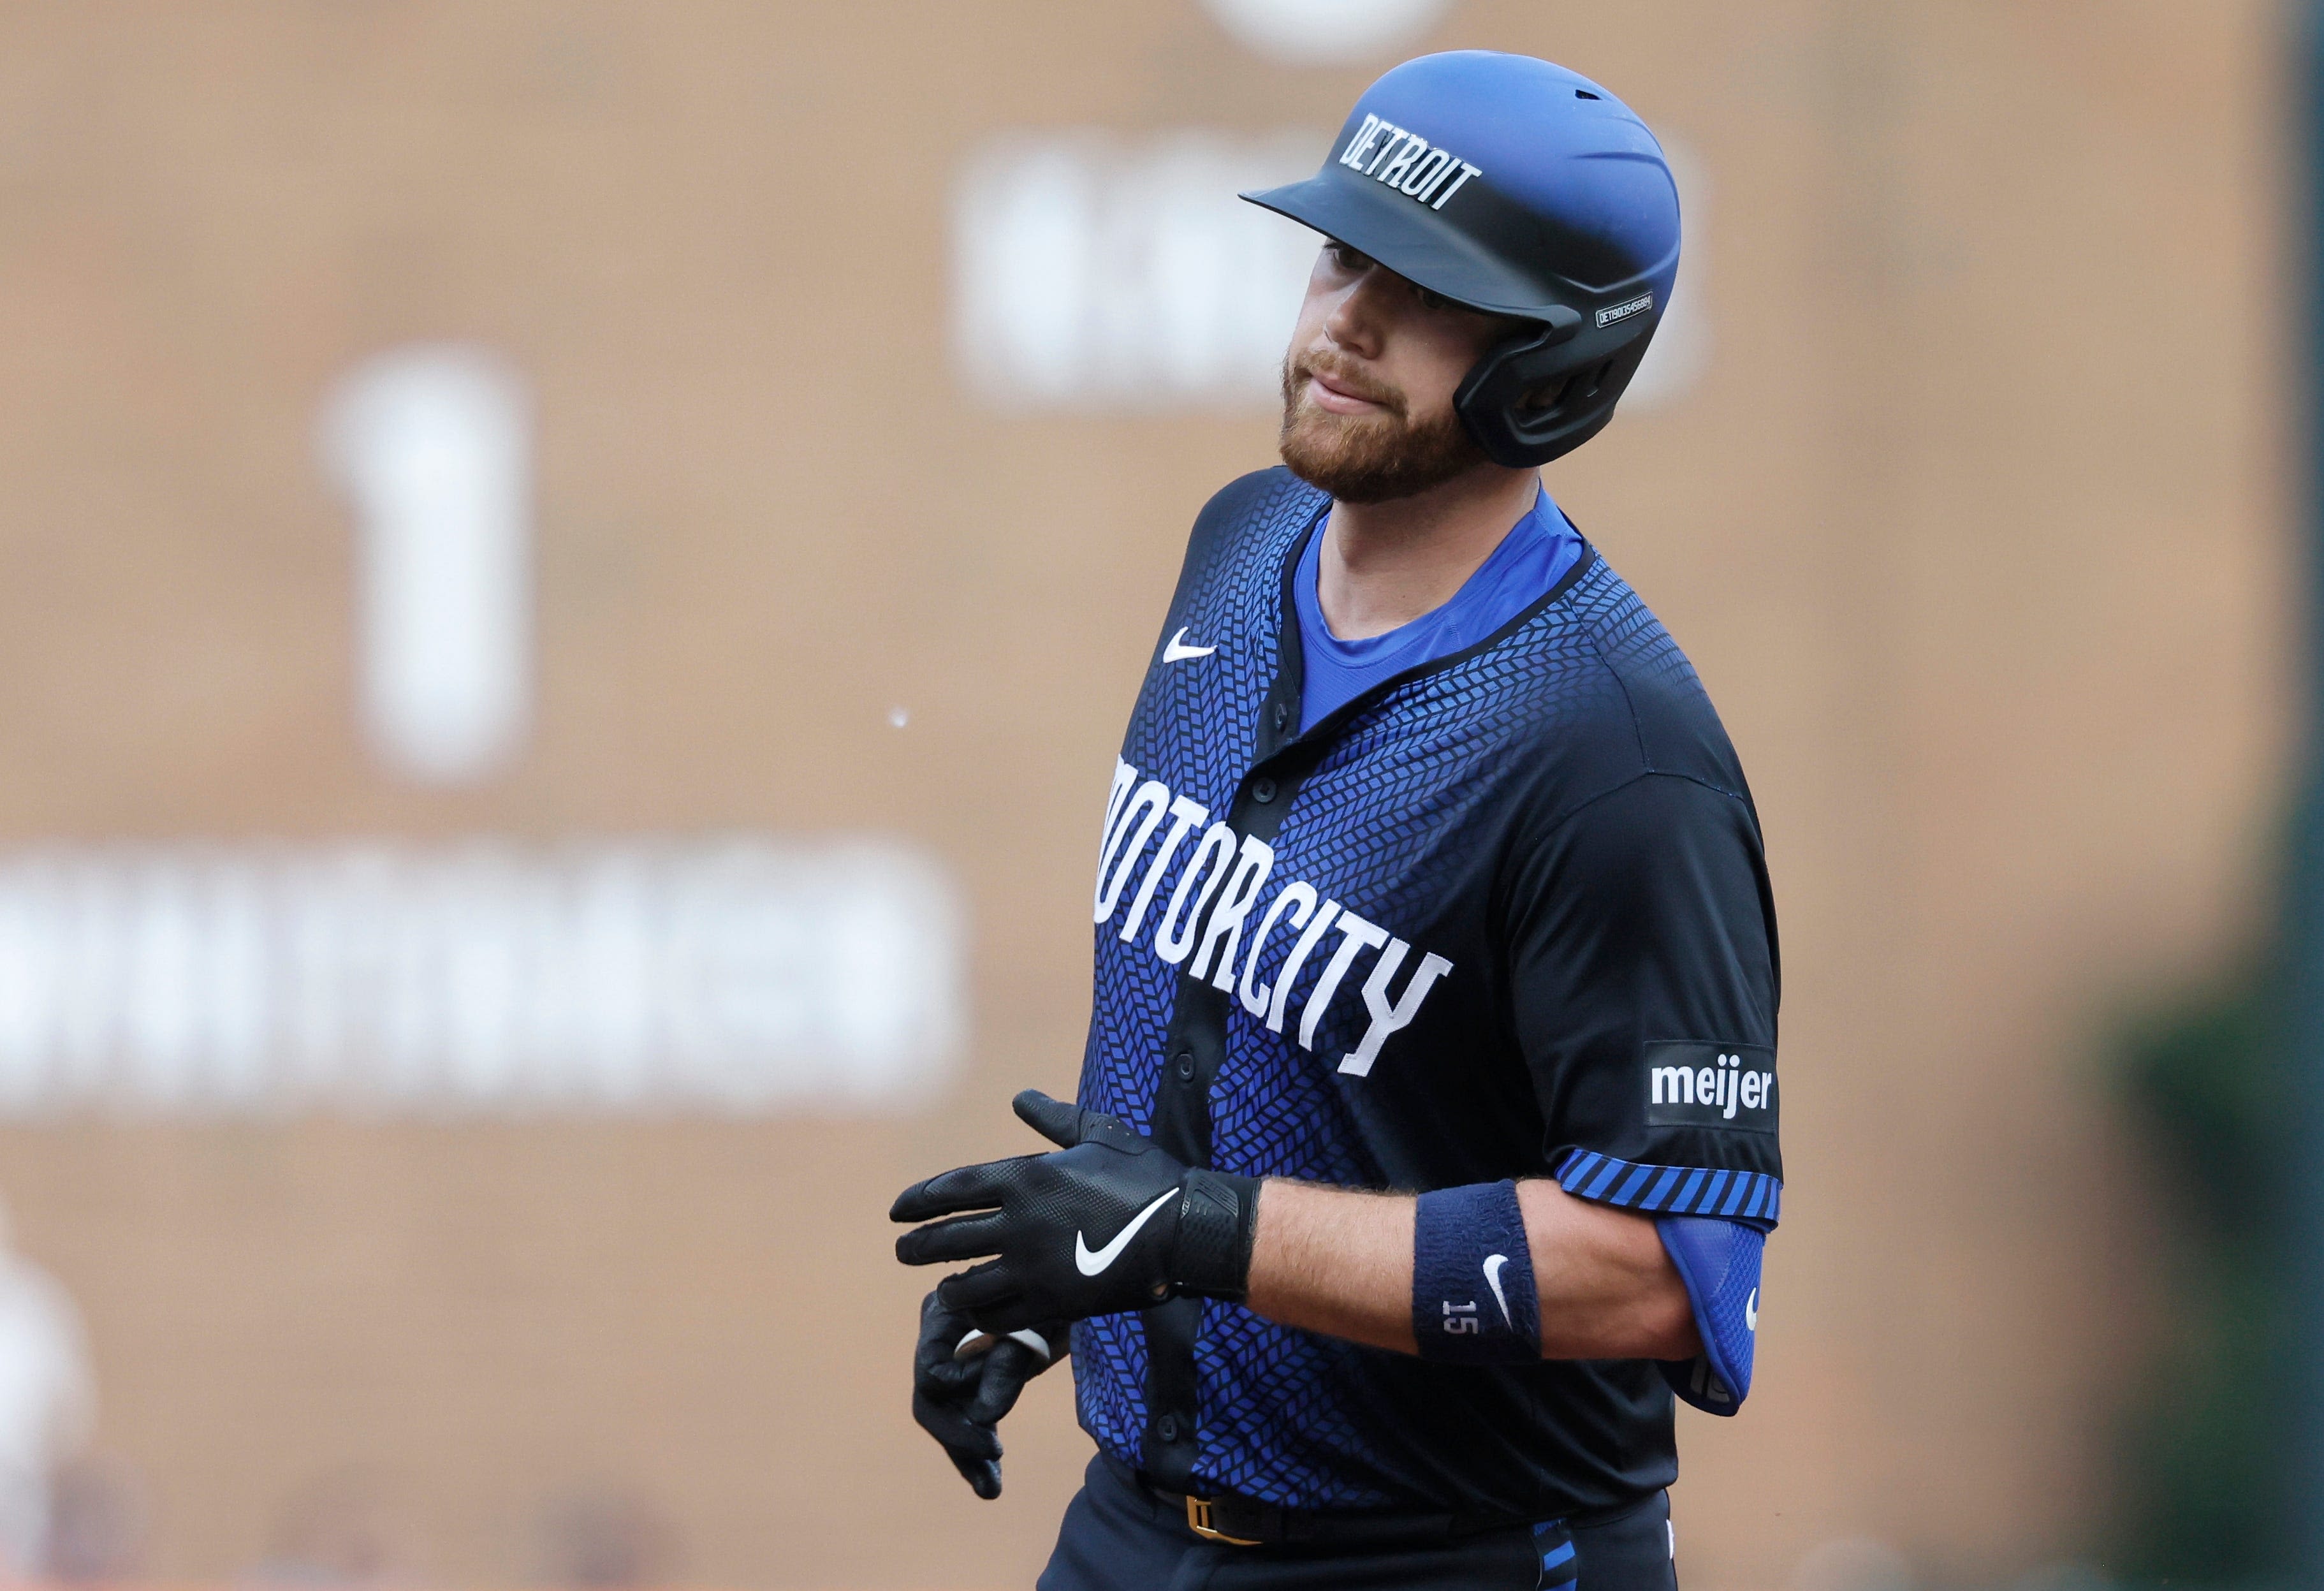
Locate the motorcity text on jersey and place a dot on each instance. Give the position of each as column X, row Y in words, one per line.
column 1223, row 889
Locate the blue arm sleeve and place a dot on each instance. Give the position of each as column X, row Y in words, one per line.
column 1718, row 1262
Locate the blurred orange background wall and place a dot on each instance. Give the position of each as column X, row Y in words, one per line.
column 1971, row 523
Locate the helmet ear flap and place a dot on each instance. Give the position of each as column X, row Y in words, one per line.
column 1548, row 390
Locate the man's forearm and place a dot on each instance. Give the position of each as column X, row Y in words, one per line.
column 1339, row 1261
column 1336, row 1261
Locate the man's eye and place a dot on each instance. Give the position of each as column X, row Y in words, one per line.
column 1346, row 258
column 1431, row 300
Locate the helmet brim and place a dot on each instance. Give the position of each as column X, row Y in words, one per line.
column 1378, row 222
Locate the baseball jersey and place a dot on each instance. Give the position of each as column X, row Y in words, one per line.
column 1503, row 914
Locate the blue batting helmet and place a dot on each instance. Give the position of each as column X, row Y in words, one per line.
column 1516, row 187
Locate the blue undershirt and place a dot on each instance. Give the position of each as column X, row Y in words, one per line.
column 1532, row 558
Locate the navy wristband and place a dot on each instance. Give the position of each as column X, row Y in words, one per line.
column 1474, row 1299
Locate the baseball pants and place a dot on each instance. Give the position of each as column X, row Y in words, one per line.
column 1118, row 1536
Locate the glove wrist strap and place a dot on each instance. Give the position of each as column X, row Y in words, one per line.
column 1218, row 1219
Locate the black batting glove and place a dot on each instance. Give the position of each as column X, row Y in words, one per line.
column 1109, row 1223
column 960, row 1397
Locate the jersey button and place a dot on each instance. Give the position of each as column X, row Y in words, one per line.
column 1262, row 791
column 1167, row 1428
column 1184, row 1061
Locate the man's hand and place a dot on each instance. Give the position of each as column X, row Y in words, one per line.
column 1109, row 1223
column 961, row 1402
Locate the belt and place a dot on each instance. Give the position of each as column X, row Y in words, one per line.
column 1245, row 1521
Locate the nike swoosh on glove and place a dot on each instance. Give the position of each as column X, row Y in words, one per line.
column 961, row 1402
column 1107, row 1223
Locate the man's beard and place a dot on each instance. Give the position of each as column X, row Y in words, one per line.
column 1369, row 457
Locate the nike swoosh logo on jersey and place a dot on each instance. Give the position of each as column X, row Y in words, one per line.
column 1178, row 651
column 1751, row 1312
column 1095, row 1264
column 1493, row 1263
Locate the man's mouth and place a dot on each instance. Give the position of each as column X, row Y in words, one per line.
column 1336, row 394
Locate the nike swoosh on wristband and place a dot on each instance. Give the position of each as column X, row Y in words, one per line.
column 1093, row 1264
column 1178, row 651
column 1493, row 1263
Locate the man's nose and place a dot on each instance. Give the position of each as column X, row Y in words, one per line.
column 1356, row 320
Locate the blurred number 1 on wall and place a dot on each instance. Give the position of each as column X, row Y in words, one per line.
column 432, row 444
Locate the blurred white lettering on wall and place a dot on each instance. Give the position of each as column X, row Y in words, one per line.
column 432, row 444
column 1326, row 33
column 1097, row 273
column 734, row 975
column 1091, row 270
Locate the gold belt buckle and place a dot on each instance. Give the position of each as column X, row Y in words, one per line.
column 1198, row 1520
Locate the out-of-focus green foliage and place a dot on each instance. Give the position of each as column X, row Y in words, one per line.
column 2206, row 1431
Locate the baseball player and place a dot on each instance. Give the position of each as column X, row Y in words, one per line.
column 1427, row 1137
